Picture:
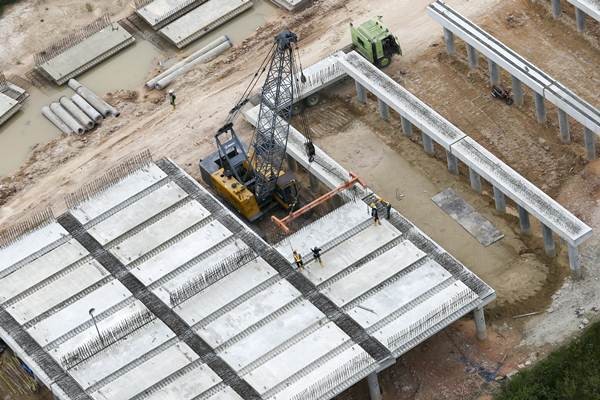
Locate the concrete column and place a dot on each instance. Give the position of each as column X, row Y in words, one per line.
column 374, row 389
column 427, row 143
column 452, row 163
column 407, row 126
column 314, row 182
column 517, row 90
column 449, row 39
column 475, row 180
column 589, row 138
column 500, row 200
column 556, row 9
column 479, row 317
column 361, row 93
column 494, row 73
column 540, row 108
column 524, row 220
column 472, row 56
column 563, row 122
column 580, row 19
column 292, row 163
column 549, row 246
column 384, row 110
column 576, row 272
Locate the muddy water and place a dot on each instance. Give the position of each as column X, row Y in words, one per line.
column 29, row 127
column 241, row 26
column 127, row 70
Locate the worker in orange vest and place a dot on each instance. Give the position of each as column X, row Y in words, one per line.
column 298, row 260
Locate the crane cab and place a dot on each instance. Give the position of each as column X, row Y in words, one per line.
column 375, row 42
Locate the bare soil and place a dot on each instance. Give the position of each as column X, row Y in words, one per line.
column 452, row 364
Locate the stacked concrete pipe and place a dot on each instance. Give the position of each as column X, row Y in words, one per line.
column 87, row 108
column 67, row 118
column 100, row 105
column 47, row 112
column 151, row 84
column 77, row 113
column 206, row 57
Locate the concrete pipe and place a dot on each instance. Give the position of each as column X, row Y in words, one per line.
column 86, row 108
column 47, row 112
column 77, row 113
column 66, row 118
column 93, row 99
column 167, row 80
column 152, row 82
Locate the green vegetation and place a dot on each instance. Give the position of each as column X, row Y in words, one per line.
column 569, row 373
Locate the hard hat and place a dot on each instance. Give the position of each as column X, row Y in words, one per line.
column 171, row 91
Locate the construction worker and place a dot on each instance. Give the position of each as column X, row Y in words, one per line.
column 388, row 208
column 375, row 214
column 298, row 260
column 172, row 98
column 317, row 254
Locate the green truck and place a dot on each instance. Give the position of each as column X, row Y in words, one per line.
column 375, row 42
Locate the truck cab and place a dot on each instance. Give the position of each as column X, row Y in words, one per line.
column 375, row 42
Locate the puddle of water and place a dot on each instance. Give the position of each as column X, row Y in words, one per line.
column 241, row 26
column 126, row 70
column 28, row 127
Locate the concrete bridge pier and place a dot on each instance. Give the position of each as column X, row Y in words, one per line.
column 472, row 56
column 494, row 73
column 374, row 389
column 475, row 180
column 427, row 144
column 576, row 272
column 540, row 108
column 556, row 9
column 361, row 93
column 407, row 126
column 500, row 200
column 452, row 163
column 517, row 90
column 563, row 122
column 524, row 221
column 580, row 19
column 589, row 138
column 449, row 39
column 292, row 163
column 480, row 327
column 384, row 110
column 549, row 245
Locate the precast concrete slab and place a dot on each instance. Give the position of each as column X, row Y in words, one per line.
column 8, row 107
column 203, row 19
column 86, row 54
column 462, row 212
column 291, row 5
column 159, row 13
column 153, row 289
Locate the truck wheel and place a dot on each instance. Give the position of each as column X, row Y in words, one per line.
column 312, row 100
column 384, row 62
column 297, row 108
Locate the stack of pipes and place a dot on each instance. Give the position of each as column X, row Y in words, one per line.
column 204, row 55
column 79, row 113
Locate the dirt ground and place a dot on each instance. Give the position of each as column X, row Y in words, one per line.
column 453, row 364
